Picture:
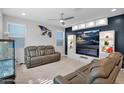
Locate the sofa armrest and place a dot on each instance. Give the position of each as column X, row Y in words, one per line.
column 27, row 58
column 60, row 80
column 58, row 53
column 121, row 62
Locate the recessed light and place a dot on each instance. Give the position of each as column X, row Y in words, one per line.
column 24, row 14
column 113, row 10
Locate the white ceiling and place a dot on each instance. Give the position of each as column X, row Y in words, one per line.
column 43, row 14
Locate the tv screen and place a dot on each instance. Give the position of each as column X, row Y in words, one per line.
column 87, row 43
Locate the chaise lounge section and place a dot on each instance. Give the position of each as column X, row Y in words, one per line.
column 103, row 71
column 39, row 55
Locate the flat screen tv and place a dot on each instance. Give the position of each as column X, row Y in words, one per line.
column 87, row 43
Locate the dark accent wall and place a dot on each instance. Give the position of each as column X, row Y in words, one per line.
column 114, row 23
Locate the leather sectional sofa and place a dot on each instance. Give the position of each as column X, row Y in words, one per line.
column 38, row 55
column 103, row 71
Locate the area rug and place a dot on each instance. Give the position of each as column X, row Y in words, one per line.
column 45, row 74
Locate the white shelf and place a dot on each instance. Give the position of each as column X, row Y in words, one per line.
column 95, row 23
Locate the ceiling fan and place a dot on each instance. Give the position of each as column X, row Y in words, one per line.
column 62, row 19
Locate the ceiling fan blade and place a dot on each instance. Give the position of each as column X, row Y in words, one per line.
column 68, row 18
column 53, row 19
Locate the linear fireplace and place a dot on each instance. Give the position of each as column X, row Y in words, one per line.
column 87, row 43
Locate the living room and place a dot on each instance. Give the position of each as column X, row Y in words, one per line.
column 57, row 48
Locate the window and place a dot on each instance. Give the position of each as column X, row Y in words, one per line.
column 59, row 39
column 17, row 32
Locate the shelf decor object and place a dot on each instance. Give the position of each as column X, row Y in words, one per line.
column 107, row 43
column 70, row 41
column 71, row 46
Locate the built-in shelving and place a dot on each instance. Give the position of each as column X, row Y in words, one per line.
column 90, row 24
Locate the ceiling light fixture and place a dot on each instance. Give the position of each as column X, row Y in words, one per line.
column 61, row 21
column 64, row 25
column 113, row 10
column 24, row 14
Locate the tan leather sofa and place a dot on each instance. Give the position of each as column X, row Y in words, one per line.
column 38, row 55
column 103, row 71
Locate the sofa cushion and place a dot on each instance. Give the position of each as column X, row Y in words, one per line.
column 76, row 78
column 102, row 68
column 85, row 68
column 52, row 57
column 44, row 59
column 36, row 59
column 49, row 47
column 49, row 51
column 116, row 56
column 41, row 50
column 60, row 79
column 111, row 79
column 31, row 51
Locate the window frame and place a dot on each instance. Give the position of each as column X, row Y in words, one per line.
column 62, row 38
column 13, row 37
column 20, row 24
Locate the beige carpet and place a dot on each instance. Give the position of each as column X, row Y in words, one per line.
column 120, row 77
column 44, row 74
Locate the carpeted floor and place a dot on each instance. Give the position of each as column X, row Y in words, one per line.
column 44, row 74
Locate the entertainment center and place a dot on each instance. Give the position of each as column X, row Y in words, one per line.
column 92, row 44
column 115, row 24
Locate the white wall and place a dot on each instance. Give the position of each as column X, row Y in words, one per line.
column 33, row 35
